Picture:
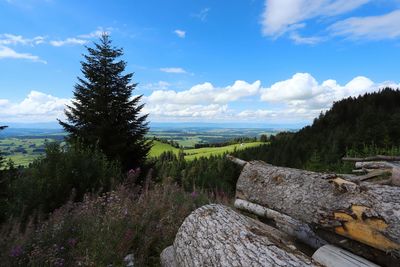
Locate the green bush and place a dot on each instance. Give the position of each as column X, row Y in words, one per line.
column 102, row 230
column 63, row 173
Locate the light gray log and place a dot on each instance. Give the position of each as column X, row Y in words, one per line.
column 373, row 165
column 168, row 257
column 368, row 213
column 331, row 256
column 237, row 161
column 295, row 228
column 215, row 235
column 373, row 158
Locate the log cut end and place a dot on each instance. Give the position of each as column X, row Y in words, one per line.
column 357, row 226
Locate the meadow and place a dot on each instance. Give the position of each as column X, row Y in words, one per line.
column 190, row 154
column 23, row 146
column 23, row 150
column 190, row 136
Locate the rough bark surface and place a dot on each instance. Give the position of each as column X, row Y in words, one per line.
column 292, row 227
column 168, row 257
column 215, row 235
column 367, row 213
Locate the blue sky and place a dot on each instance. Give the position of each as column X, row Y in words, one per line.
column 274, row 61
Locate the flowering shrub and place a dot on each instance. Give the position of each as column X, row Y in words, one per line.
column 102, row 230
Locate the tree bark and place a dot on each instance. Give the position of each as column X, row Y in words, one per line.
column 215, row 235
column 373, row 158
column 366, row 213
column 286, row 224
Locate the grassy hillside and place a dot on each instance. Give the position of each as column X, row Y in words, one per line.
column 208, row 151
column 159, row 147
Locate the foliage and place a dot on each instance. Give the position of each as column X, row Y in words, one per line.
column 102, row 230
column 103, row 112
column 351, row 125
column 1, row 156
column 63, row 173
column 212, row 172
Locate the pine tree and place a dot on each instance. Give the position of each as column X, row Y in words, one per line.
column 104, row 114
column 1, row 157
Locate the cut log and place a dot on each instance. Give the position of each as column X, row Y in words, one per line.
column 373, row 158
column 168, row 257
column 368, row 213
column 215, row 235
column 290, row 226
column 374, row 165
column 315, row 240
column 331, row 256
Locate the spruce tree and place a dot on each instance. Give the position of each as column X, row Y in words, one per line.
column 104, row 114
column 1, row 156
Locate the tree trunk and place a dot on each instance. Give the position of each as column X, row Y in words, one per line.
column 215, row 235
column 366, row 213
column 286, row 224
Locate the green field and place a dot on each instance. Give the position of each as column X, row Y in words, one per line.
column 159, row 147
column 189, row 137
column 23, row 151
column 190, row 154
column 23, row 146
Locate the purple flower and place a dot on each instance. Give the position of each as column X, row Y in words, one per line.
column 194, row 194
column 72, row 242
column 16, row 251
column 59, row 262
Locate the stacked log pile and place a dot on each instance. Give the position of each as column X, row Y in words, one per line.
column 301, row 213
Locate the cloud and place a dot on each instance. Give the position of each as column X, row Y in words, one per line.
column 305, row 40
column 95, row 34
column 281, row 16
column 200, row 101
column 180, row 33
column 6, row 52
column 303, row 96
column 81, row 39
column 12, row 39
column 175, row 112
column 173, row 70
column 202, row 15
column 298, row 99
column 68, row 41
column 160, row 85
column 385, row 26
column 205, row 93
column 36, row 107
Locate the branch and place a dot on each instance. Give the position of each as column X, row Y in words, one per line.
column 285, row 223
column 237, row 161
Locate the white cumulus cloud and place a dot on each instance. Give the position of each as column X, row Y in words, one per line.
column 200, row 101
column 36, row 107
column 303, row 95
column 206, row 93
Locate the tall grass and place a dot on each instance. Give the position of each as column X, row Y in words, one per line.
column 101, row 231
